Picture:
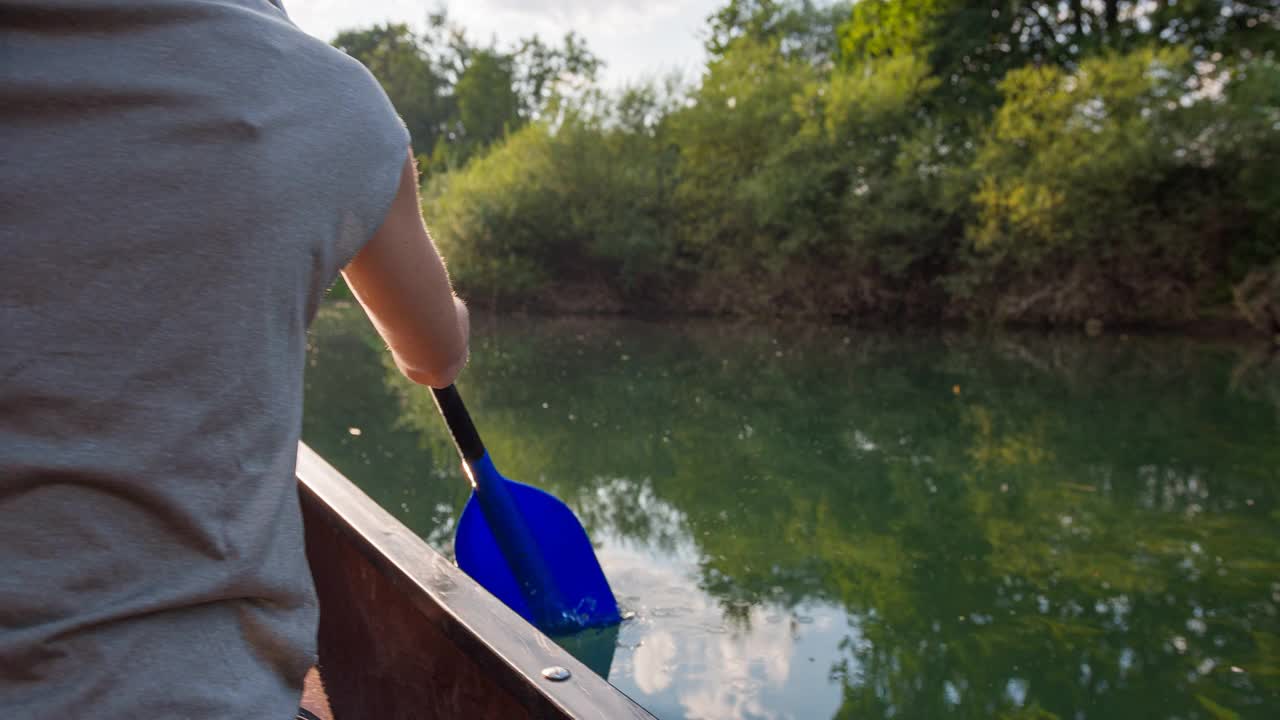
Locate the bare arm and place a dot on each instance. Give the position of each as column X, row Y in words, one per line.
column 401, row 281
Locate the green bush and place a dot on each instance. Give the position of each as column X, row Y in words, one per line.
column 578, row 206
column 796, row 194
column 1102, row 192
column 926, row 158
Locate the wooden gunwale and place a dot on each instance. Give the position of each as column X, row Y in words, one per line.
column 406, row 634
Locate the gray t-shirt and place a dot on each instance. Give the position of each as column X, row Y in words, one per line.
column 180, row 180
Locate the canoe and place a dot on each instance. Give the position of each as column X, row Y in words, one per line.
column 404, row 634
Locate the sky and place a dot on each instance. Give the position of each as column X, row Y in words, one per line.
column 637, row 39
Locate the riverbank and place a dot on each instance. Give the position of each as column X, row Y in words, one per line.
column 875, row 163
column 600, row 300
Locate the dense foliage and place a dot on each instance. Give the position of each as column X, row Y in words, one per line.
column 1016, row 162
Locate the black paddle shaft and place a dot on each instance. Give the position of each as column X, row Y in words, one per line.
column 459, row 421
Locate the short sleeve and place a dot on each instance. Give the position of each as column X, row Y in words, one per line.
column 376, row 146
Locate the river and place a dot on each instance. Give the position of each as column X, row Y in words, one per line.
column 819, row 522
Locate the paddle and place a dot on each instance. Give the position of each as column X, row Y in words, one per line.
column 522, row 544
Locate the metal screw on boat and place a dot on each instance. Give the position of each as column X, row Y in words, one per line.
column 555, row 673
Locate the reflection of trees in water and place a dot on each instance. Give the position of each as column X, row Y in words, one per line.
column 413, row 476
column 1257, row 375
column 632, row 513
column 1021, row 526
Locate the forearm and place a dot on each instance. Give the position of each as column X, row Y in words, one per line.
column 404, row 287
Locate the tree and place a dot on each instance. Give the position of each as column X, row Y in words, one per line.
column 1018, row 160
column 457, row 98
column 801, row 28
column 545, row 75
column 972, row 46
column 1102, row 194
column 488, row 106
column 400, row 60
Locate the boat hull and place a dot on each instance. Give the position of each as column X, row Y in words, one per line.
column 406, row 634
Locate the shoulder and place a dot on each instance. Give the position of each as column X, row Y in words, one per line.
column 330, row 89
column 289, row 47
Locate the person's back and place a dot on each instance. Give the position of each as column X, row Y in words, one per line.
column 179, row 182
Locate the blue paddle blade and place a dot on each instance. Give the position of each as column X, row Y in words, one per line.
column 549, row 576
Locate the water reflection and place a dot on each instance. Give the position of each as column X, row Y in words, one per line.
column 594, row 648
column 818, row 525
column 683, row 655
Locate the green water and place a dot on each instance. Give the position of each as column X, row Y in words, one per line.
column 820, row 523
